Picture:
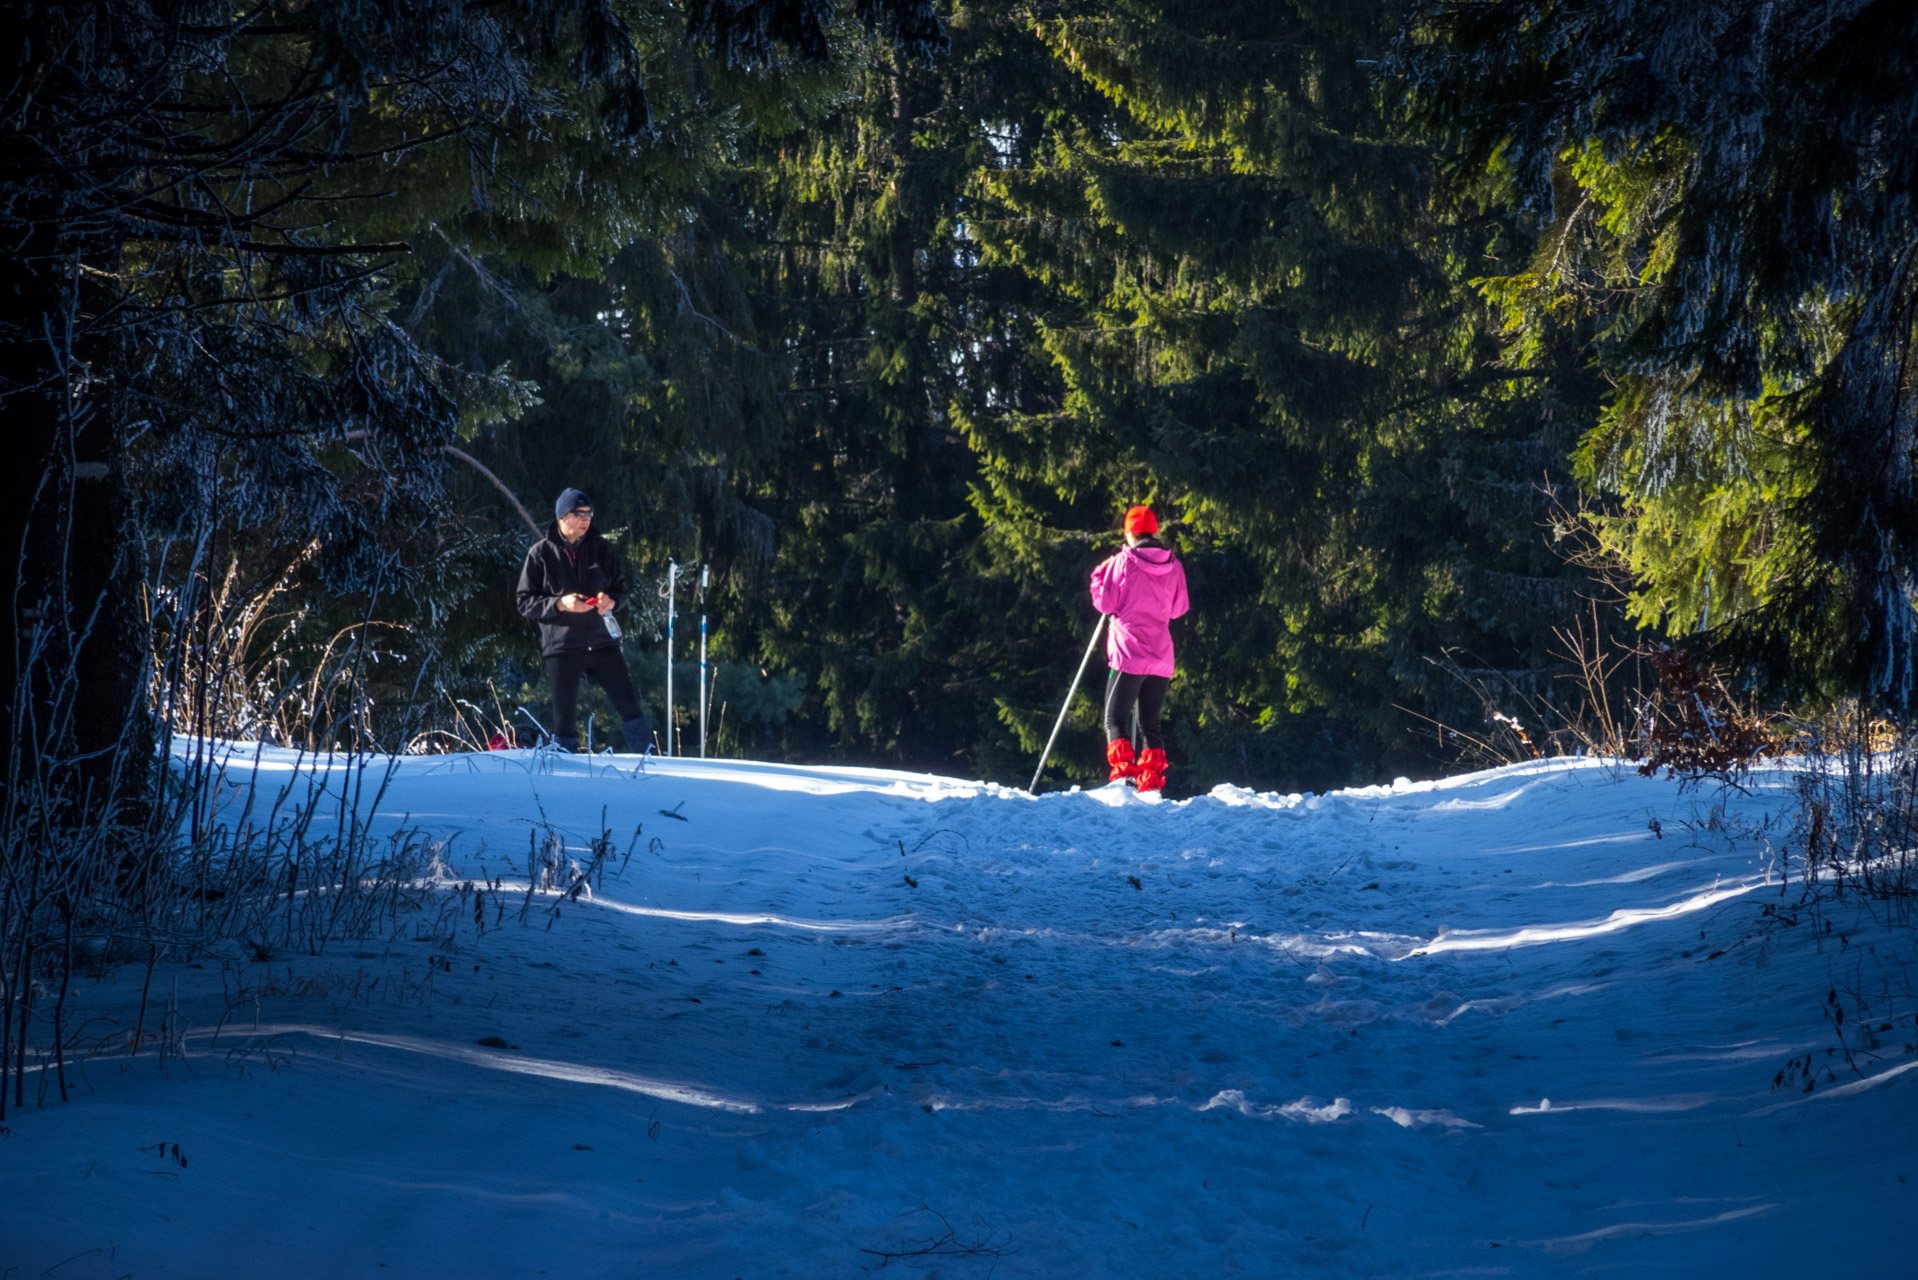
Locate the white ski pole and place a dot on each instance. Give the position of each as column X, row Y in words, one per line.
column 705, row 576
column 672, row 578
column 1097, row 627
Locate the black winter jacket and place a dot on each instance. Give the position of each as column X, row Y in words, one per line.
column 554, row 569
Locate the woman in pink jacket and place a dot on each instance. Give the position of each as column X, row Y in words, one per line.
column 1143, row 588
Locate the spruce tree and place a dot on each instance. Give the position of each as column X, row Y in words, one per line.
column 1727, row 195
column 1092, row 260
column 1252, row 289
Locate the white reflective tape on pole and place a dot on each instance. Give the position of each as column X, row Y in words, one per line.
column 672, row 578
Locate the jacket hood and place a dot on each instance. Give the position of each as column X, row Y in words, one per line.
column 1152, row 559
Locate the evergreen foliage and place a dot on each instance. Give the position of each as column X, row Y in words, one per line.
column 1250, row 287
column 211, row 213
column 912, row 346
column 1727, row 191
column 886, row 314
column 199, row 315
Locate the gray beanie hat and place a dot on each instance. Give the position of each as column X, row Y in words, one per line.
column 569, row 499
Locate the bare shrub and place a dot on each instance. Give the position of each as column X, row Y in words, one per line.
column 1594, row 702
column 1858, row 815
column 1695, row 728
column 1605, row 712
column 230, row 659
column 1856, row 832
column 193, row 863
column 1652, row 703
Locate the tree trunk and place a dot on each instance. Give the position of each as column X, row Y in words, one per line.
column 77, row 736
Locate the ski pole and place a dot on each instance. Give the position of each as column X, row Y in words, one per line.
column 705, row 576
column 672, row 580
column 1097, row 627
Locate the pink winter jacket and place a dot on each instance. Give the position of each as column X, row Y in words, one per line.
column 1143, row 588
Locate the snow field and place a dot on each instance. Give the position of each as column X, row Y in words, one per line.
column 1522, row 1022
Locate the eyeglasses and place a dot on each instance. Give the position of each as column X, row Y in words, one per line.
column 580, row 513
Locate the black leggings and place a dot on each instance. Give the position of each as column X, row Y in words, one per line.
column 1124, row 690
column 606, row 665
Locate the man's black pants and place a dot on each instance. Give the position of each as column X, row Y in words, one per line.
column 1124, row 690
column 608, row 666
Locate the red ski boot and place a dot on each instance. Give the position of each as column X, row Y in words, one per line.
column 1150, row 776
column 1119, row 758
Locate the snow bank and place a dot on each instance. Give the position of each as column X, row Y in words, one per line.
column 1519, row 1022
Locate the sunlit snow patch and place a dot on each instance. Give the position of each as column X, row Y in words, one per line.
column 754, row 917
column 1584, row 1241
column 497, row 1060
column 1307, row 1110
column 1439, row 1012
column 1532, row 935
column 1843, row 1090
column 1637, row 1106
column 1407, row 1118
column 1246, row 798
column 1383, row 946
column 1501, row 801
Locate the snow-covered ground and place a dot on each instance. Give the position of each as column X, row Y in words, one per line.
column 1522, row 1023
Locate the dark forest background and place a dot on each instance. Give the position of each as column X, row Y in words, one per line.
column 1450, row 341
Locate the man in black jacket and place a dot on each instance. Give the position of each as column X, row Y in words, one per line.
column 570, row 582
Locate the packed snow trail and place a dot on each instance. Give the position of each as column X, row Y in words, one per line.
column 1523, row 1022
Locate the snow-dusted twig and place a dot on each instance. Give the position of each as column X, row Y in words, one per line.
column 946, row 1244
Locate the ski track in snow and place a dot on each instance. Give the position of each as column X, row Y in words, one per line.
column 1517, row 1023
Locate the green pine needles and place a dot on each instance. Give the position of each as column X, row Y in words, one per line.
column 1727, row 195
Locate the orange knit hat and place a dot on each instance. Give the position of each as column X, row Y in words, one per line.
column 1141, row 520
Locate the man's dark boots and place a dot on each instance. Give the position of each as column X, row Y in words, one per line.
column 639, row 734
